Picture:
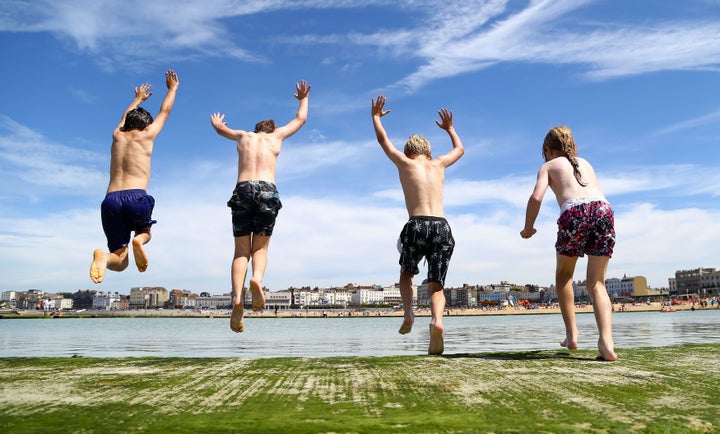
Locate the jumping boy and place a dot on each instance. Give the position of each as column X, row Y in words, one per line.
column 127, row 207
column 255, row 201
column 586, row 226
column 426, row 233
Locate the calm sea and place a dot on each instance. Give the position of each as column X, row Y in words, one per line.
column 323, row 337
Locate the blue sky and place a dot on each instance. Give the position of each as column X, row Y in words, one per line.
column 637, row 82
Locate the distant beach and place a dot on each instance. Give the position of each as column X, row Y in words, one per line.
column 348, row 312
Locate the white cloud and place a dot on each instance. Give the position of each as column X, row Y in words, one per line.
column 673, row 179
column 337, row 241
column 454, row 39
column 707, row 119
column 301, row 160
column 603, row 50
column 26, row 155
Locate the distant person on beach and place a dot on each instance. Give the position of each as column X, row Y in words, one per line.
column 426, row 233
column 586, row 226
column 255, row 201
column 127, row 207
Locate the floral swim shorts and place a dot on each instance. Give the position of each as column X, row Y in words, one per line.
column 586, row 228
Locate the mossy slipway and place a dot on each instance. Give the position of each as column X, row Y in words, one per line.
column 656, row 389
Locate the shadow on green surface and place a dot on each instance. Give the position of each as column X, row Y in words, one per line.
column 522, row 355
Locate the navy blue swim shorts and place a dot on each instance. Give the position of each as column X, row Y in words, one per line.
column 123, row 212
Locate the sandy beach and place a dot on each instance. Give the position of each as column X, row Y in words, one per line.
column 349, row 312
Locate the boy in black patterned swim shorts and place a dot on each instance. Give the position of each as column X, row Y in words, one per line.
column 427, row 233
column 255, row 201
column 586, row 226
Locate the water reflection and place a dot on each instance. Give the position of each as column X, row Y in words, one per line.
column 323, row 337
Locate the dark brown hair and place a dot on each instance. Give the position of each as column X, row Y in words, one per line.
column 137, row 119
column 266, row 126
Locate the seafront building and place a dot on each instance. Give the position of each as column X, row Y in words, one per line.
column 695, row 283
column 701, row 281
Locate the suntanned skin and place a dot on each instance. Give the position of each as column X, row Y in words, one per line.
column 130, row 169
column 257, row 161
column 422, row 180
column 557, row 173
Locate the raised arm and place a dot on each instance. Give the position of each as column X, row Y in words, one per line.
column 218, row 122
column 172, row 83
column 535, row 201
column 141, row 94
column 377, row 112
column 457, row 151
column 302, row 94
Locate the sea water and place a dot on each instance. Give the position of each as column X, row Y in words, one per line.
column 337, row 336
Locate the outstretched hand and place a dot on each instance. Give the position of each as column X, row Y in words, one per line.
column 303, row 90
column 143, row 92
column 217, row 120
column 377, row 106
column 446, row 119
column 171, row 79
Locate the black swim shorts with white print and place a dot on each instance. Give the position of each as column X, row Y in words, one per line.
column 430, row 237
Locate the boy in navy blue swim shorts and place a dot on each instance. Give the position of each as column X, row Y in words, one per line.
column 127, row 208
column 586, row 227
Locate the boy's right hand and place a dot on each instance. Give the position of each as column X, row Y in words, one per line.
column 171, row 79
column 377, row 107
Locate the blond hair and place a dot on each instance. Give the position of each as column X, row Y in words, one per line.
column 561, row 139
column 418, row 145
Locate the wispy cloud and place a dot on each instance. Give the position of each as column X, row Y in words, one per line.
column 299, row 160
column 603, row 50
column 28, row 156
column 707, row 119
column 457, row 38
column 672, row 179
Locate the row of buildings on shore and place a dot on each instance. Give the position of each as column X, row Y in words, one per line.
column 700, row 282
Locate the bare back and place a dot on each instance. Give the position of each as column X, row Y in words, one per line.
column 131, row 150
column 257, row 156
column 422, row 183
column 563, row 183
column 130, row 160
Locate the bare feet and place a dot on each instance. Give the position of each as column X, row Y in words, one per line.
column 258, row 298
column 406, row 325
column 607, row 353
column 237, row 322
column 437, row 344
column 97, row 268
column 141, row 259
column 569, row 344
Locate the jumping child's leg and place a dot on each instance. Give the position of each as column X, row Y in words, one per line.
column 602, row 306
column 238, row 272
column 566, row 296
column 260, row 245
column 141, row 238
column 406, row 295
column 437, row 307
column 115, row 261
